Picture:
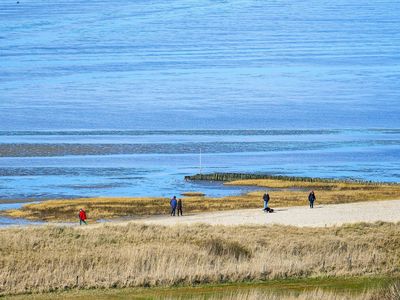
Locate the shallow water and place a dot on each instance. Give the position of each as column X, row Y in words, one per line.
column 56, row 165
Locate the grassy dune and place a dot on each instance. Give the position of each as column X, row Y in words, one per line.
column 283, row 193
column 51, row 258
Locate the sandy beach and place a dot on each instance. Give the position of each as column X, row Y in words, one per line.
column 319, row 216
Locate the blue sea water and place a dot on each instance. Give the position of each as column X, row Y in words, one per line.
column 112, row 64
column 117, row 98
column 48, row 164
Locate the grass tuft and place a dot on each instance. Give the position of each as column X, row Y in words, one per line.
column 220, row 247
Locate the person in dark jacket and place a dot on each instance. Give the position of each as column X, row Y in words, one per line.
column 311, row 199
column 266, row 200
column 173, row 204
column 82, row 217
column 179, row 207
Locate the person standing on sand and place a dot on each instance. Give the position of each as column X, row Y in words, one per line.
column 173, row 203
column 266, row 200
column 311, row 199
column 179, row 207
column 82, row 217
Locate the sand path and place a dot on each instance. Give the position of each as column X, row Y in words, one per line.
column 320, row 215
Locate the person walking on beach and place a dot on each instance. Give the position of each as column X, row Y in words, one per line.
column 311, row 199
column 266, row 200
column 173, row 203
column 179, row 207
column 82, row 217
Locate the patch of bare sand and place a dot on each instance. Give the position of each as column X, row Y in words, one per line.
column 319, row 216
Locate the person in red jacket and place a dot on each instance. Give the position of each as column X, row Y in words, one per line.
column 82, row 216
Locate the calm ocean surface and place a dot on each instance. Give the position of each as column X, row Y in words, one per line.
column 116, row 98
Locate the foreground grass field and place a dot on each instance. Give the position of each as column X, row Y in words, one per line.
column 284, row 192
column 52, row 258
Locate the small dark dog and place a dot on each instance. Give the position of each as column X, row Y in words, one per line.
column 270, row 210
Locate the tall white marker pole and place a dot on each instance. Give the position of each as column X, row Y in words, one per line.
column 200, row 162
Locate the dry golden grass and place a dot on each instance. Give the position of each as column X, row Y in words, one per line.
column 285, row 193
column 49, row 258
column 96, row 208
column 292, row 193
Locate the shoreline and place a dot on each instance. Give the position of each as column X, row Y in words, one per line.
column 285, row 192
